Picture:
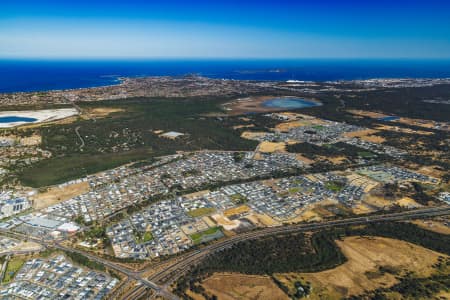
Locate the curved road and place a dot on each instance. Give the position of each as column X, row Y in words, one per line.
column 159, row 281
column 173, row 272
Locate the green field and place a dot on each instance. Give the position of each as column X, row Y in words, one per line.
column 13, row 266
column 198, row 237
column 294, row 190
column 366, row 154
column 147, row 236
column 334, row 186
column 130, row 136
column 203, row 211
column 238, row 199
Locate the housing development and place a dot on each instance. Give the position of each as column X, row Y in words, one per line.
column 148, row 182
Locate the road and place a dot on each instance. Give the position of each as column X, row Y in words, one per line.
column 131, row 274
column 80, row 137
column 170, row 274
column 160, row 280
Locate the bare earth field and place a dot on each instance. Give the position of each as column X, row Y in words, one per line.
column 403, row 130
column 361, row 272
column 269, row 147
column 284, row 127
column 228, row 286
column 432, row 225
column 57, row 194
column 99, row 112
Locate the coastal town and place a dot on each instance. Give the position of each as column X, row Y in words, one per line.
column 293, row 167
column 224, row 150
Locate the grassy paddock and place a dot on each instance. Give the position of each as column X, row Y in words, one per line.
column 12, row 268
column 201, row 212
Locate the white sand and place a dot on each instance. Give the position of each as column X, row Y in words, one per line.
column 44, row 115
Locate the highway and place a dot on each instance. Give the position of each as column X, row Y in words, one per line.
column 131, row 274
column 177, row 269
column 160, row 280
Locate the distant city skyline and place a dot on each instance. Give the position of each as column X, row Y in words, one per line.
column 224, row 29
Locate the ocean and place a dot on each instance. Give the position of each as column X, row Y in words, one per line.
column 42, row 75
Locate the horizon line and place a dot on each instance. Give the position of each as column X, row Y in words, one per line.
column 168, row 58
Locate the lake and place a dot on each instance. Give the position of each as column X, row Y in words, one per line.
column 290, row 103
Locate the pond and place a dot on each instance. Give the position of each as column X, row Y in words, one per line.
column 14, row 119
column 290, row 103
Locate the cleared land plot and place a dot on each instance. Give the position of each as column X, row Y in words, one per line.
column 57, row 194
column 236, row 210
column 100, row 112
column 231, row 286
column 266, row 220
column 362, row 270
column 199, row 212
column 249, row 135
column 269, row 147
column 226, row 223
column 407, row 202
column 403, row 130
column 367, row 135
column 435, row 226
column 300, row 123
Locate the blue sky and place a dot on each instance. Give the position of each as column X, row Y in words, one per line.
column 224, row 29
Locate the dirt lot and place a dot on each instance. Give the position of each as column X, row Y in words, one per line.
column 249, row 135
column 435, row 226
column 262, row 220
column 361, row 272
column 378, row 202
column 337, row 160
column 243, row 126
column 236, row 210
column 431, row 171
column 56, row 194
column 304, row 159
column 226, row 223
column 284, row 127
column 403, row 130
column 269, row 147
column 407, row 202
column 365, row 113
column 99, row 112
column 361, row 208
column 228, row 286
column 368, row 135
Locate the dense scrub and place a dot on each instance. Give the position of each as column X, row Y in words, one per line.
column 300, row 253
column 130, row 135
column 313, row 151
column 290, row 253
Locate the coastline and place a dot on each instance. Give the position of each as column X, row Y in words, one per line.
column 65, row 75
